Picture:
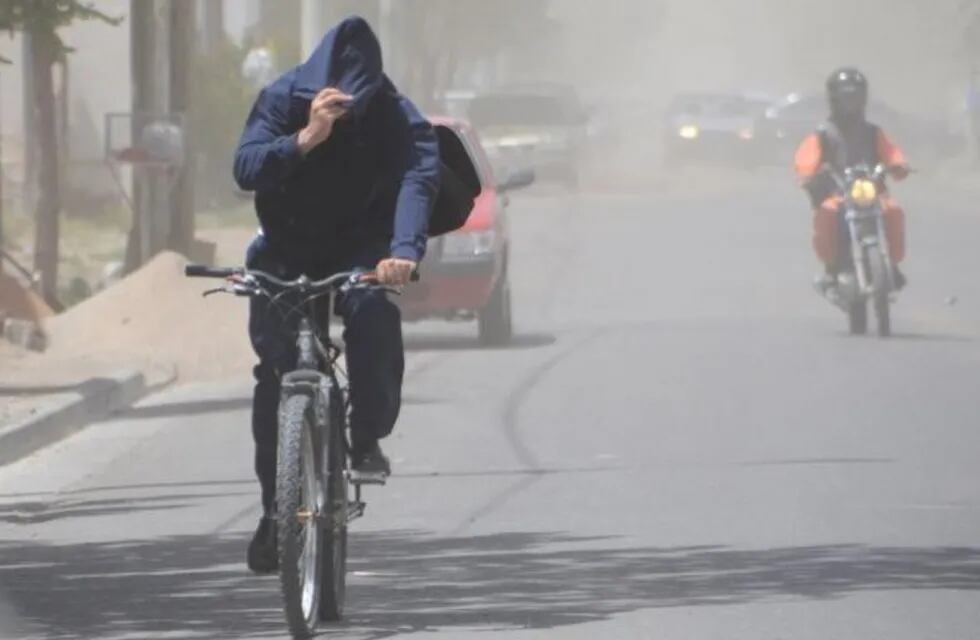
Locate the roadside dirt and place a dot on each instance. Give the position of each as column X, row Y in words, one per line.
column 16, row 301
column 157, row 317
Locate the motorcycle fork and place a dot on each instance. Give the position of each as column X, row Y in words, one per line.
column 857, row 255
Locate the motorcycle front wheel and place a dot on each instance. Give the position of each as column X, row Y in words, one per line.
column 857, row 318
column 880, row 281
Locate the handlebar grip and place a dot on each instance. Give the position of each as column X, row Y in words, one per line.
column 202, row 271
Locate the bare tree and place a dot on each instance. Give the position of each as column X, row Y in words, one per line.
column 448, row 38
column 41, row 19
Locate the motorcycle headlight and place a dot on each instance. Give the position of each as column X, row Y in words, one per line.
column 468, row 244
column 689, row 132
column 864, row 192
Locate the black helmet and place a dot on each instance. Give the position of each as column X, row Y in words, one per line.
column 847, row 92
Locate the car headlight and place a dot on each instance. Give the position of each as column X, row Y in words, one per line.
column 864, row 192
column 469, row 244
column 689, row 132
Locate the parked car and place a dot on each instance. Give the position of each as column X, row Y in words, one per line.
column 712, row 128
column 542, row 127
column 465, row 274
column 788, row 122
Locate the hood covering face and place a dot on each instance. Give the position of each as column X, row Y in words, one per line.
column 349, row 59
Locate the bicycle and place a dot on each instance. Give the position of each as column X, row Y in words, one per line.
column 313, row 499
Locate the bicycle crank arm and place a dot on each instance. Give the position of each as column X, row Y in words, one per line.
column 355, row 510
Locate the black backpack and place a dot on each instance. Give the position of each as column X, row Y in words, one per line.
column 460, row 184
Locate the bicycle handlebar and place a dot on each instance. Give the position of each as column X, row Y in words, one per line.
column 304, row 283
column 202, row 271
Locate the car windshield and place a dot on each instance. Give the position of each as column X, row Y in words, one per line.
column 531, row 110
column 813, row 107
column 711, row 106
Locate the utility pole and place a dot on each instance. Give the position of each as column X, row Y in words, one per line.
column 141, row 38
column 388, row 33
column 312, row 20
column 152, row 25
column 182, row 30
column 213, row 28
column 161, row 184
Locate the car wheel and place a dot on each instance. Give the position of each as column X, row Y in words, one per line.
column 494, row 320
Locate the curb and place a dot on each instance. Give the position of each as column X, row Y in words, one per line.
column 91, row 401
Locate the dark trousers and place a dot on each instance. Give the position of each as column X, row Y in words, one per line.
column 374, row 350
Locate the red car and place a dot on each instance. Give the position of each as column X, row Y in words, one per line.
column 465, row 273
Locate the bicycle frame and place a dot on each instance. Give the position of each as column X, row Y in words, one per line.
column 314, row 503
column 316, row 376
column 316, row 372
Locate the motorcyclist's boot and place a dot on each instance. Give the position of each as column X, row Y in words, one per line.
column 899, row 278
column 824, row 281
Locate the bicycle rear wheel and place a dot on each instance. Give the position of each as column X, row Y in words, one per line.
column 299, row 501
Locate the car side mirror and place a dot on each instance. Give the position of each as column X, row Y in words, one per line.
column 516, row 180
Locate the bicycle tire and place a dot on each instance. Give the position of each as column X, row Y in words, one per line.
column 297, row 456
column 333, row 553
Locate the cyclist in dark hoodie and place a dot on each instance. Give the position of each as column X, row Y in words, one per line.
column 345, row 172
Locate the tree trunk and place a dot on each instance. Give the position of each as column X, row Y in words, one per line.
column 30, row 124
column 48, row 208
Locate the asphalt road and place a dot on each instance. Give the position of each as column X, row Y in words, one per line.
column 683, row 443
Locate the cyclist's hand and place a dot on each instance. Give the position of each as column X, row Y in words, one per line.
column 396, row 272
column 327, row 107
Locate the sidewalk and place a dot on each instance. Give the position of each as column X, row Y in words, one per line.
column 145, row 332
column 44, row 399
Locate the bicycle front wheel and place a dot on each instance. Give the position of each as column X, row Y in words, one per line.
column 299, row 503
column 333, row 553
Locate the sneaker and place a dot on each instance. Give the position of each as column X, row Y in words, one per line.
column 371, row 461
column 263, row 555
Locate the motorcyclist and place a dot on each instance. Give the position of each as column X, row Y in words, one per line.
column 346, row 172
column 845, row 140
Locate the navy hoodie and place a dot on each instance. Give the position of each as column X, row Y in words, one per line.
column 373, row 182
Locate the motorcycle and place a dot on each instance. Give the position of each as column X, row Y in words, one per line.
column 868, row 274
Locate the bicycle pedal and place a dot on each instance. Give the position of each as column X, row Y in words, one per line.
column 362, row 478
